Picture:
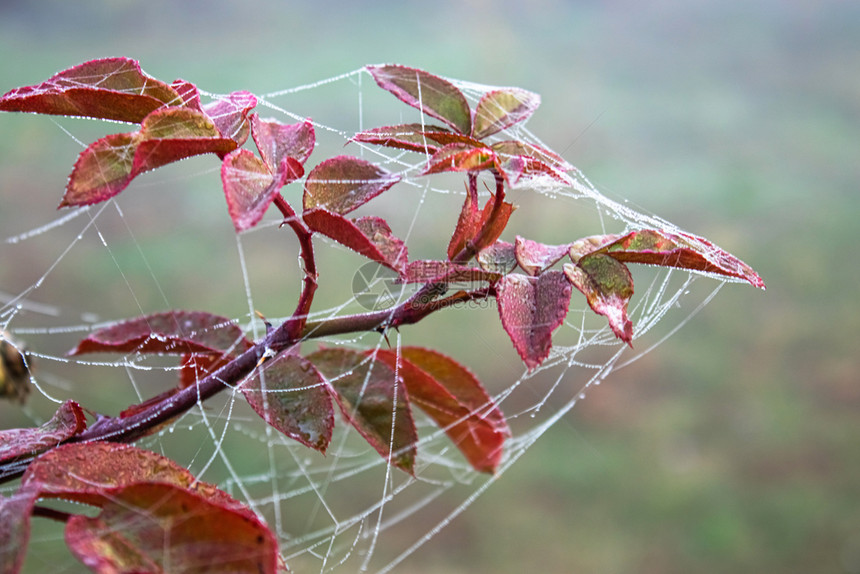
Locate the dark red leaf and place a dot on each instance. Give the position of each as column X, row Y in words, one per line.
column 107, row 166
column 230, row 115
column 173, row 332
column 454, row 398
column 427, row 271
column 15, row 529
column 157, row 527
column 500, row 257
column 343, row 183
column 369, row 236
column 68, row 421
column 534, row 258
column 608, row 287
column 431, row 94
column 500, row 109
column 373, row 401
column 657, row 247
column 111, row 89
column 277, row 141
column 250, row 186
column 531, row 308
column 460, row 157
column 293, row 397
column 414, row 137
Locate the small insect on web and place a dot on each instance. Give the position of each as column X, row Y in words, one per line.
column 249, row 404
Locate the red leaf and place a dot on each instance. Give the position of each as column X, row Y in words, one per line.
column 460, row 157
column 682, row 250
column 230, row 115
column 86, row 472
column 250, row 187
column 413, row 137
column 608, row 287
column 68, row 421
column 156, row 527
column 110, row 89
column 277, row 141
column 189, row 94
column 429, row 271
column 107, row 166
column 501, row 109
column 535, row 258
column 15, row 529
column 510, row 149
column 471, row 222
column 369, row 236
column 174, row 332
column 522, row 171
column 531, row 308
column 454, row 398
column 431, row 94
column 293, row 397
column 500, row 257
column 343, row 183
column 372, row 401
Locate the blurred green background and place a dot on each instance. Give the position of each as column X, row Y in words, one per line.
column 735, row 446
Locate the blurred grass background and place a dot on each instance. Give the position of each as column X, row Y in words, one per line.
column 735, row 446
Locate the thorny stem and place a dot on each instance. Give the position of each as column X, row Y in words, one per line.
column 292, row 331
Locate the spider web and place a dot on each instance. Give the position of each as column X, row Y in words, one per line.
column 348, row 511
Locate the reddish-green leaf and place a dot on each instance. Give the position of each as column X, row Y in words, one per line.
column 682, row 250
column 500, row 109
column 230, row 115
column 425, row 271
column 500, row 257
column 111, row 89
column 291, row 395
column 534, row 258
column 174, row 332
column 107, row 166
column 343, row 183
column 460, row 157
column 531, row 308
column 414, row 137
column 277, row 141
column 373, row 401
column 157, row 527
column 431, row 94
column 250, row 186
column 608, row 287
column 522, row 171
column 369, row 236
column 454, row 398
column 68, row 421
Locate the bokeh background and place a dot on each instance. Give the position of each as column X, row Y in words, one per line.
column 733, row 447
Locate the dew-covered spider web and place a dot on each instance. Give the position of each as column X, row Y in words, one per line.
column 167, row 243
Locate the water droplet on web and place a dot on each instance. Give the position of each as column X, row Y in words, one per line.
column 581, row 396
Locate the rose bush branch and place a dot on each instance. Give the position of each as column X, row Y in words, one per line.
column 293, row 389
